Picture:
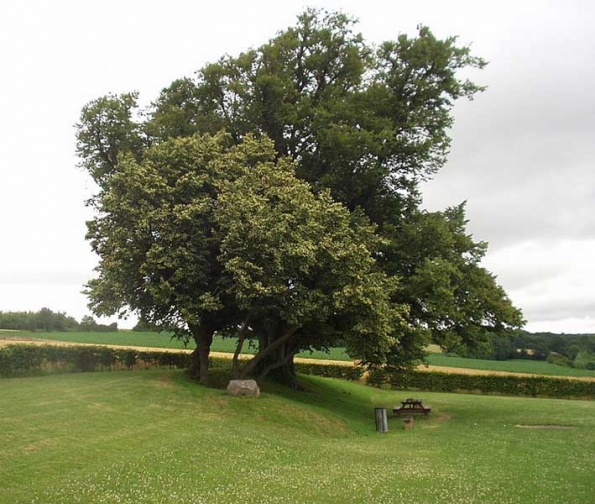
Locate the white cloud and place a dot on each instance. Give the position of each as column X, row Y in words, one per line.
column 551, row 282
column 522, row 153
column 584, row 325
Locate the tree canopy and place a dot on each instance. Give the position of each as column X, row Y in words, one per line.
column 302, row 269
column 204, row 235
column 369, row 122
column 198, row 229
column 157, row 239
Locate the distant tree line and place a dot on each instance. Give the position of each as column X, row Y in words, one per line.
column 89, row 324
column 48, row 320
column 574, row 350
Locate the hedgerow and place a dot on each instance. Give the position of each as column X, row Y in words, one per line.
column 19, row 360
column 25, row 360
column 330, row 370
column 533, row 386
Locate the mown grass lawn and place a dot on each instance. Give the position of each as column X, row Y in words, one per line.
column 152, row 436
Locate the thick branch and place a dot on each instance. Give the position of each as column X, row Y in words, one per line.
column 236, row 355
column 278, row 364
column 268, row 350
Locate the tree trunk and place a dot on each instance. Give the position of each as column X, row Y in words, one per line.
column 235, row 365
column 194, row 369
column 203, row 335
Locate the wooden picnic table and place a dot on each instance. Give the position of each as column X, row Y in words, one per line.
column 412, row 405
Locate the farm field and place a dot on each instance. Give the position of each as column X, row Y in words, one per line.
column 148, row 339
column 511, row 366
column 152, row 436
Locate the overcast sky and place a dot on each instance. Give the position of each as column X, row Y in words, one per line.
column 522, row 153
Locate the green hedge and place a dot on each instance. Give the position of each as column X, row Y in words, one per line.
column 330, row 370
column 22, row 360
column 486, row 384
column 19, row 360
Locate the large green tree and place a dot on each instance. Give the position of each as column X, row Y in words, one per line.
column 370, row 123
column 367, row 122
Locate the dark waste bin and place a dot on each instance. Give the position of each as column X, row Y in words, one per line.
column 381, row 420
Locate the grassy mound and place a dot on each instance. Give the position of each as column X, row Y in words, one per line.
column 152, row 436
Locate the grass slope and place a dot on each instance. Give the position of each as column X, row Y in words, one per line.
column 152, row 436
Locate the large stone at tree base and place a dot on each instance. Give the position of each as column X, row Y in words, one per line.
column 246, row 388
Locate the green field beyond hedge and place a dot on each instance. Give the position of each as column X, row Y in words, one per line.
column 511, row 366
column 148, row 339
column 154, row 437
column 154, row 340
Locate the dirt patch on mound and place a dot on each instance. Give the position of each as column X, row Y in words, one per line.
column 439, row 419
column 546, row 426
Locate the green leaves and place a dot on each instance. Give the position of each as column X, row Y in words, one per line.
column 304, row 259
column 155, row 231
column 107, row 131
column 449, row 293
